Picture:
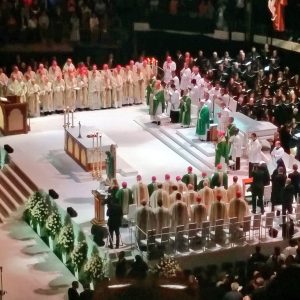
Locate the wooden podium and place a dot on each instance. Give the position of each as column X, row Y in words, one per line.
column 99, row 199
column 13, row 116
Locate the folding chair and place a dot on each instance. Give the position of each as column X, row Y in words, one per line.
column 256, row 225
column 191, row 233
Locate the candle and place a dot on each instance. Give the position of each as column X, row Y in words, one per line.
column 72, row 111
column 64, row 117
column 97, row 151
column 100, row 143
column 68, row 114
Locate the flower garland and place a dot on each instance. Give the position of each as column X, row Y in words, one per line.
column 79, row 253
column 53, row 223
column 168, row 267
column 94, row 268
column 66, row 238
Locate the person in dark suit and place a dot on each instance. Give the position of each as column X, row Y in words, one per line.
column 87, row 294
column 121, row 266
column 287, row 199
column 257, row 187
column 72, row 291
column 295, row 179
column 278, row 183
column 115, row 214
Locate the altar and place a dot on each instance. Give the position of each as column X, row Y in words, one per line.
column 86, row 152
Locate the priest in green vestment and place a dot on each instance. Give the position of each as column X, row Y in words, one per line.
column 152, row 186
column 185, row 110
column 157, row 103
column 150, row 89
column 221, row 150
column 219, row 178
column 200, row 185
column 190, row 178
column 230, row 131
column 203, row 121
column 124, row 198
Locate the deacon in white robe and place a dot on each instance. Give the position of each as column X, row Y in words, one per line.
column 278, row 152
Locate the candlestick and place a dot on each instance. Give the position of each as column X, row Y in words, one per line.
column 72, row 112
column 93, row 155
column 64, row 117
column 97, row 152
column 100, row 158
column 79, row 130
column 68, row 116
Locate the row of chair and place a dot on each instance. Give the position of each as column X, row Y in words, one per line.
column 229, row 233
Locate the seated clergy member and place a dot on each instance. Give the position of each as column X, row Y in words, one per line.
column 179, row 213
column 167, row 184
column 173, row 195
column 152, row 186
column 145, row 220
column 140, row 191
column 218, row 210
column 233, row 188
column 219, row 178
column 181, row 185
column 206, row 194
column 238, row 207
column 198, row 213
column 124, row 198
column 162, row 216
column 159, row 194
column 190, row 177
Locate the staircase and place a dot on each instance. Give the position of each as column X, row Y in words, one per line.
column 15, row 188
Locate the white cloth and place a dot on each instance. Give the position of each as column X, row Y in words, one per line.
column 175, row 100
column 168, row 68
column 236, row 146
column 254, row 151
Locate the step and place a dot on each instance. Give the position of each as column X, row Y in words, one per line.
column 7, row 199
column 23, row 176
column 11, row 189
column 18, row 182
column 4, row 210
column 208, row 161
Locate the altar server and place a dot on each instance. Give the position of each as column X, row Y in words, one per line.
column 236, row 148
column 223, row 117
column 174, row 103
column 169, row 66
column 185, row 75
column 254, row 152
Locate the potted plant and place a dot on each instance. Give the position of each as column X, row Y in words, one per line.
column 53, row 226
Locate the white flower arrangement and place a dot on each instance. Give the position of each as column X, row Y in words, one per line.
column 40, row 211
column 33, row 200
column 168, row 267
column 66, row 238
column 79, row 254
column 53, row 223
column 94, row 268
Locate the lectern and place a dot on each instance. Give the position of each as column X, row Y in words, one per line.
column 13, row 116
column 99, row 200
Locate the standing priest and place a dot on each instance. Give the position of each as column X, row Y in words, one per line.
column 203, row 121
column 157, row 105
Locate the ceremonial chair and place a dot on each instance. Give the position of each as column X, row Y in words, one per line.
column 218, row 234
column 256, row 225
column 268, row 222
column 232, row 230
column 178, row 237
column 164, row 239
column 204, row 233
column 246, row 227
column 149, row 242
column 191, row 234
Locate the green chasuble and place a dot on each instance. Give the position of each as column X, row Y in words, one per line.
column 221, row 151
column 219, row 179
column 190, row 179
column 124, row 198
column 200, row 185
column 151, row 188
column 203, row 120
column 149, row 90
column 185, row 111
column 159, row 98
column 230, row 131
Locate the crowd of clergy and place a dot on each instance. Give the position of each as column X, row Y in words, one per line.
column 172, row 203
